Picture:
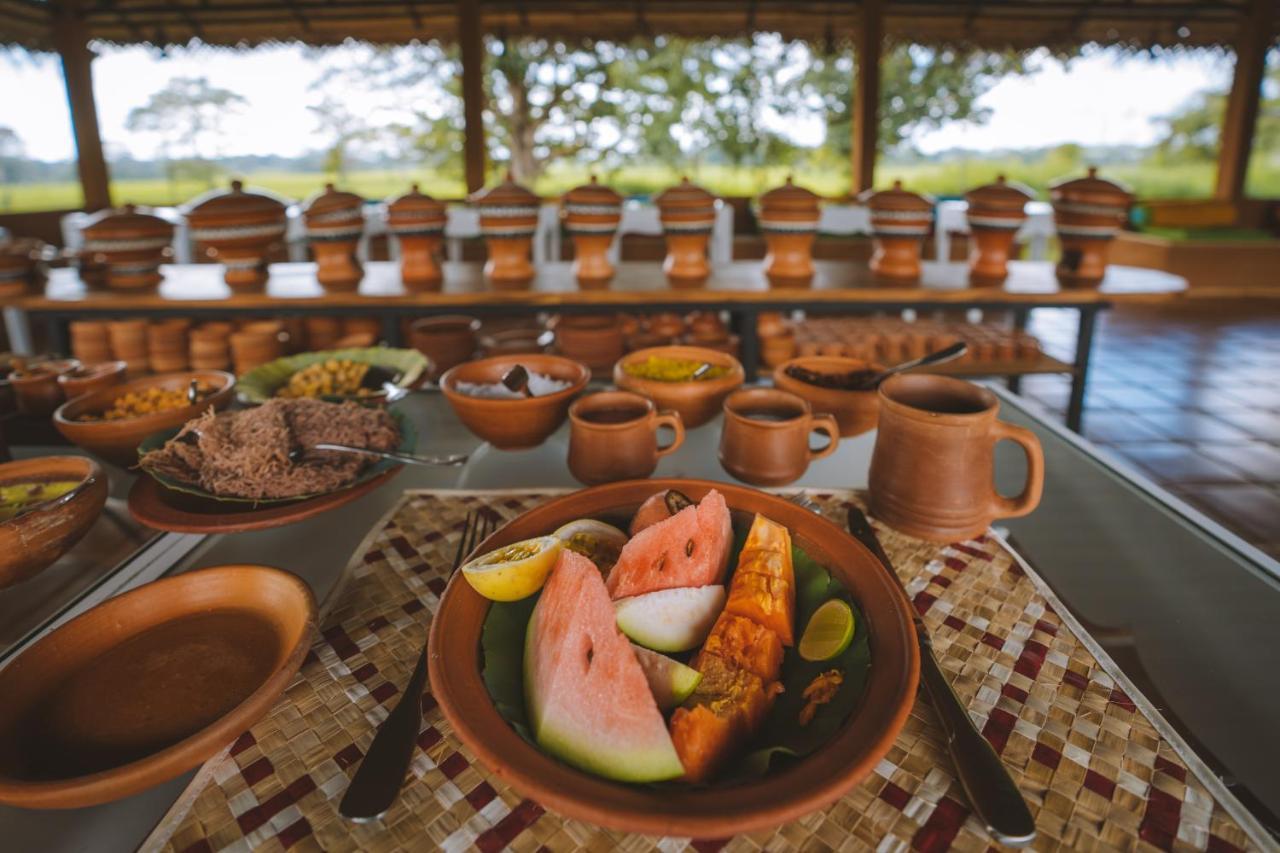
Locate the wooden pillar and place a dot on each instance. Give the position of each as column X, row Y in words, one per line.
column 72, row 42
column 866, row 94
column 471, row 42
column 1242, row 104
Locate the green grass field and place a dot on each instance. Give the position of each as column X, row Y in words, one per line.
column 1188, row 180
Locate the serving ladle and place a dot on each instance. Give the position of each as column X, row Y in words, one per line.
column 936, row 357
column 299, row 453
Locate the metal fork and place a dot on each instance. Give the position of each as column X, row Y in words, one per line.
column 377, row 783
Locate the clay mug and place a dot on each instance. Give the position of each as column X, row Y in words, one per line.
column 934, row 459
column 613, row 435
column 765, row 438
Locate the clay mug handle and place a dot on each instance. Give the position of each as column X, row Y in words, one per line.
column 825, row 424
column 670, row 419
column 1024, row 503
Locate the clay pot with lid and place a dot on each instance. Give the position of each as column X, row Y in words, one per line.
column 1087, row 213
column 417, row 220
column 508, row 221
column 591, row 214
column 335, row 222
column 132, row 244
column 788, row 219
column 996, row 212
column 688, row 213
column 20, row 265
column 900, row 220
column 239, row 229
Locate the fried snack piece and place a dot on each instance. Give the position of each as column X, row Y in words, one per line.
column 725, row 710
column 746, row 644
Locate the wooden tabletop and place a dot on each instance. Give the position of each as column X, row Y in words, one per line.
column 293, row 285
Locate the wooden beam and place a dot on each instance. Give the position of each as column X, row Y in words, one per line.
column 471, row 42
column 72, row 41
column 1241, row 115
column 866, row 93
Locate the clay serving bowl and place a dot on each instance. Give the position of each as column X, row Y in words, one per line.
column 117, row 441
column 149, row 684
column 33, row 540
column 855, row 412
column 809, row 784
column 92, row 377
column 697, row 401
column 36, row 389
column 514, row 424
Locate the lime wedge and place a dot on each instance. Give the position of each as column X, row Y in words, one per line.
column 829, row 632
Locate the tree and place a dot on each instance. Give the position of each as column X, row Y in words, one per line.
column 1192, row 134
column 186, row 115
column 10, row 159
column 344, row 129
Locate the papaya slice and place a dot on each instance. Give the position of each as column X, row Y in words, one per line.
column 764, row 600
column 746, row 644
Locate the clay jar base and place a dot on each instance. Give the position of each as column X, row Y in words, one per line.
column 789, row 282
column 247, row 281
column 1083, row 264
column 896, row 260
column 591, row 265
column 419, row 265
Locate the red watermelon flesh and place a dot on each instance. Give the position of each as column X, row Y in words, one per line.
column 691, row 548
column 588, row 699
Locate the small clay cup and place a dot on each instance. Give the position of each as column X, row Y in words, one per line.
column 447, row 340
column 596, row 340
column 932, row 467
column 765, row 440
column 613, row 435
column 855, row 411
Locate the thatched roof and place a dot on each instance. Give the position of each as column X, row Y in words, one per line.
column 1015, row 24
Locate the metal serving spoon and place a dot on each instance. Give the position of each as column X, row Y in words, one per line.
column 299, row 453
column 937, row 357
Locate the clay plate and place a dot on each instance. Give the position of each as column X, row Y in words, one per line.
column 149, row 684
column 155, row 506
column 715, row 812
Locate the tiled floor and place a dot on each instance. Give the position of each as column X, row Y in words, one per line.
column 1190, row 396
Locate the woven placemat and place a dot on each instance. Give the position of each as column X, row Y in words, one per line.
column 1097, row 763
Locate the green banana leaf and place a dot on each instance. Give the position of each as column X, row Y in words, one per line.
column 408, row 444
column 259, row 385
column 780, row 739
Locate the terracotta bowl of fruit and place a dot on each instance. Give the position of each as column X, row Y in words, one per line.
column 509, row 422
column 827, row 383
column 665, row 375
column 46, row 506
column 591, row 671
column 110, row 423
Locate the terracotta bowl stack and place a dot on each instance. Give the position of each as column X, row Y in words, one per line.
column 508, row 221
column 20, row 265
column 239, row 229
column 788, row 219
column 900, row 220
column 996, row 212
column 1087, row 212
column 591, row 214
column 209, row 346
column 688, row 213
column 256, row 343
column 132, row 244
column 129, row 344
column 335, row 222
column 417, row 222
column 167, row 346
column 90, row 340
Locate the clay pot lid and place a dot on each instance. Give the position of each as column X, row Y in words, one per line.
column 789, row 198
column 1000, row 195
column 331, row 201
column 897, row 199
column 226, row 204
column 1091, row 190
column 683, row 196
column 506, row 194
column 126, row 222
column 593, row 193
column 416, row 204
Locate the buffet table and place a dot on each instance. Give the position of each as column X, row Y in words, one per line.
column 739, row 287
column 1110, row 601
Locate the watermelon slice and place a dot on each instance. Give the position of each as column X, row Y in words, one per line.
column 588, row 700
column 670, row 680
column 691, row 548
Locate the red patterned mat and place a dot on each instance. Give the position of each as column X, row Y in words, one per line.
column 1098, row 764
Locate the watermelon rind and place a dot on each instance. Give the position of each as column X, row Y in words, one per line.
column 671, row 681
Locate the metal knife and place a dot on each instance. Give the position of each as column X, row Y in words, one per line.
column 991, row 790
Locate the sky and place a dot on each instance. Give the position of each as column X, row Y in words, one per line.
column 1103, row 98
